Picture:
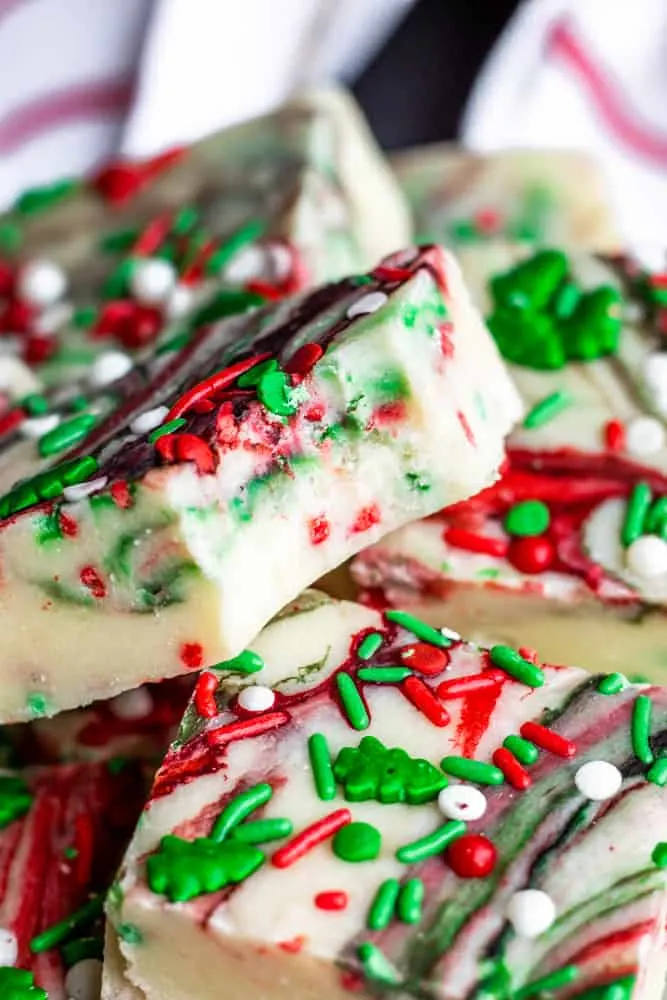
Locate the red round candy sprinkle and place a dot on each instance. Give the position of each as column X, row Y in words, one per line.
column 614, row 435
column 192, row 655
column 472, row 856
column 334, row 900
column 140, row 329
column 16, row 317
column 39, row 348
column 425, row 659
column 532, row 554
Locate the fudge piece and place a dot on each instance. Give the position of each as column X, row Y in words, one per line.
column 273, row 205
column 385, row 808
column 63, row 830
column 198, row 494
column 534, row 196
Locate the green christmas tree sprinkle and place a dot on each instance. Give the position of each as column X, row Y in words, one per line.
column 372, row 771
column 15, row 799
column 182, row 869
column 19, row 984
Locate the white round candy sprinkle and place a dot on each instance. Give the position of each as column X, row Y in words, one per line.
column 462, row 802
column 179, row 302
column 109, row 367
column 368, row 303
column 53, row 318
column 135, row 704
column 256, row 698
column 36, row 427
column 531, row 912
column 148, row 421
column 644, row 436
column 9, row 948
column 152, row 281
column 250, row 262
column 655, row 369
column 84, row 980
column 598, row 780
column 41, row 282
column 647, row 556
column 82, row 490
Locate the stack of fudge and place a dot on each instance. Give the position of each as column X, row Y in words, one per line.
column 333, row 567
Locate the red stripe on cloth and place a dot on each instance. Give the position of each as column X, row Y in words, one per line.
column 81, row 102
column 624, row 121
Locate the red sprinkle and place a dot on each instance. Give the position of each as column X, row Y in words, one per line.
column 547, row 739
column 472, row 856
column 366, row 518
column 310, row 838
column 425, row 659
column 294, row 945
column 614, row 435
column 336, row 899
column 421, row 696
column 304, row 359
column 487, row 220
column 121, row 180
column 39, row 348
column 532, row 554
column 152, row 236
column 11, row 420
column 17, row 317
column 207, row 685
column 319, row 530
column 192, row 655
column 385, row 272
column 216, row 383
column 467, row 429
column 91, row 579
column 263, row 288
column 186, row 448
column 120, row 494
column 247, row 728
column 460, row 687
column 461, row 538
column 516, row 775
column 68, row 525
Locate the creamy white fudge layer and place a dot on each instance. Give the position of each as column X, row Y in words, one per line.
column 385, row 809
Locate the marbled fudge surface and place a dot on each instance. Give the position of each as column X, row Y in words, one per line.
column 385, row 809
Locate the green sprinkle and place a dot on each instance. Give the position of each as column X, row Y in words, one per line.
column 432, row 843
column 37, row 199
column 185, row 219
column 119, row 240
column 410, row 901
column 657, row 773
column 418, row 628
column 656, row 519
column 273, row 390
column 524, row 751
column 19, row 984
column 548, row 408
column 641, row 728
column 37, row 704
column 85, row 947
column 357, row 842
column 320, row 762
column 612, row 684
column 369, row 645
column 246, row 662
column 116, row 284
column 635, row 513
column 248, row 233
column 383, row 906
column 76, row 471
column 129, row 933
column 261, row 831
column 66, row 435
column 10, row 238
column 527, row 519
column 116, row 764
column 472, row 770
column 70, row 853
column 384, row 675
column 553, row 981
column 15, row 799
column 659, row 855
column 34, row 404
column 352, row 702
column 59, row 932
column 376, row 966
column 239, row 809
column 168, row 428
column 175, row 343
column 516, row 666
column 253, row 376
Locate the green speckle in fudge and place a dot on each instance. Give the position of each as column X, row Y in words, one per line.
column 38, row 199
column 182, row 870
column 19, row 984
column 48, row 527
column 11, row 238
column 38, row 705
column 15, row 799
column 417, row 481
column 129, row 933
column 373, row 771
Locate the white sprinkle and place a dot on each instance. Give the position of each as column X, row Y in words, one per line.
column 368, row 303
column 9, row 948
column 82, row 490
column 256, row 698
column 136, row 704
column 152, row 281
column 281, row 261
column 598, row 780
column 449, row 633
column 54, row 317
column 531, row 912
column 41, row 282
column 148, row 421
column 109, row 367
column 179, row 302
column 36, row 427
column 647, row 556
column 462, row 802
column 644, row 436
column 655, row 370
column 15, row 377
column 84, row 980
column 250, row 262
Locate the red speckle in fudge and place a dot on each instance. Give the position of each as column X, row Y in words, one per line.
column 335, row 899
column 120, row 494
column 294, row 946
column 192, row 655
column 446, row 331
column 366, row 518
column 532, row 554
column 68, row 525
column 388, row 413
column 487, row 221
column 472, row 856
column 375, row 598
column 529, row 654
column 614, row 435
column 475, row 715
column 92, row 580
column 352, row 981
column 467, row 429
column 424, row 658
column 314, row 412
column 319, row 530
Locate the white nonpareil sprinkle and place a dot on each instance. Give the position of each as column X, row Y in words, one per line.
column 41, row 282
column 54, row 317
column 84, row 980
column 256, row 698
column 152, row 281
column 15, row 377
column 179, row 302
column 148, row 421
column 449, row 633
column 250, row 262
column 531, row 912
column 36, row 427
column 644, row 436
column 109, row 367
column 281, row 261
column 598, row 780
column 82, row 490
column 655, row 370
column 368, row 303
column 462, row 802
column 135, row 704
column 647, row 556
column 9, row 948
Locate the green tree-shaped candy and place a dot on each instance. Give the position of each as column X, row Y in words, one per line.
column 15, row 799
column 182, row 869
column 371, row 771
column 19, row 984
